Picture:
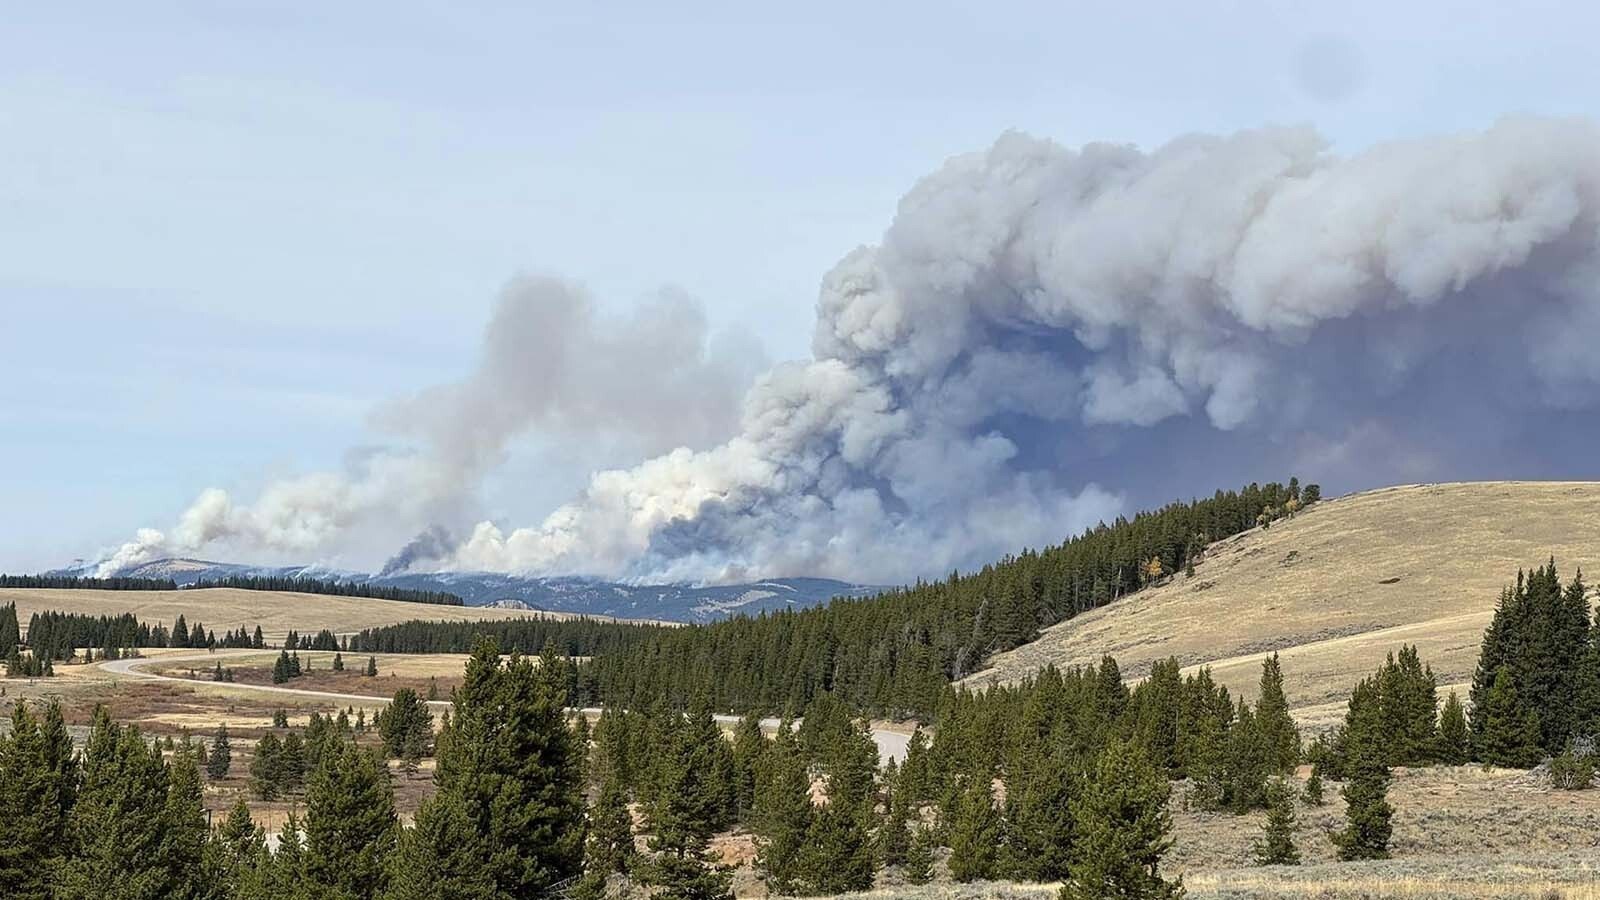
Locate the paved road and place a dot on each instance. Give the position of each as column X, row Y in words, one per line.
column 891, row 744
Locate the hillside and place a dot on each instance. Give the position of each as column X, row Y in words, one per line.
column 573, row 594
column 1336, row 588
column 224, row 609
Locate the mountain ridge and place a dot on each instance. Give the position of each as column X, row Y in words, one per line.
column 578, row 594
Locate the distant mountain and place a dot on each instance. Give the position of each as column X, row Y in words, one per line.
column 567, row 593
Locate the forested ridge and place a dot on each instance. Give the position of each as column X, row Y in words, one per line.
column 892, row 654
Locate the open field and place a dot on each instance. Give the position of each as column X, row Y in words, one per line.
column 1338, row 587
column 277, row 612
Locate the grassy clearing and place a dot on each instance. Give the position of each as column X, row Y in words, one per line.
column 226, row 609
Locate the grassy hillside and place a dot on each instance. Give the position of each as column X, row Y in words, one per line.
column 1338, row 587
column 224, row 609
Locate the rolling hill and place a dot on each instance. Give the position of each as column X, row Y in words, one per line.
column 226, row 609
column 1337, row 588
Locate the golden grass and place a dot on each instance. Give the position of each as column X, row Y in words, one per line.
column 1338, row 587
column 277, row 612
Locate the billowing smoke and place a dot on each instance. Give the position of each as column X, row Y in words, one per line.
column 1047, row 336
column 551, row 364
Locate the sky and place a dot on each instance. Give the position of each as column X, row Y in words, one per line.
column 230, row 232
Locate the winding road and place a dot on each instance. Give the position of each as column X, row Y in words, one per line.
column 891, row 743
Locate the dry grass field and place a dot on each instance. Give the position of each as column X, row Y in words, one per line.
column 1338, row 587
column 226, row 609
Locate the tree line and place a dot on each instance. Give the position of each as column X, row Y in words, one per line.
column 34, row 582
column 893, row 653
column 335, row 588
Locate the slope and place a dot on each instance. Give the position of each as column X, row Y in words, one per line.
column 1336, row 588
column 226, row 609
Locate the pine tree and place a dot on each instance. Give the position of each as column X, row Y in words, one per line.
column 350, row 824
column 10, row 629
column 266, row 774
column 1276, row 846
column 1122, row 830
column 1453, row 748
column 749, row 748
column 1366, row 773
column 116, row 833
column 338, row 662
column 507, row 755
column 1039, row 822
column 221, row 758
column 34, row 800
column 974, row 832
column 1246, row 763
column 783, row 812
column 184, row 840
column 241, row 847
column 1510, row 735
column 439, row 856
column 610, row 848
column 372, row 666
column 919, row 856
column 1277, row 728
column 1312, row 796
column 687, row 807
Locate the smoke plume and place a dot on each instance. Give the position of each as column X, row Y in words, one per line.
column 1046, row 336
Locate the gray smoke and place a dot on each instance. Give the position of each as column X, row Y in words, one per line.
column 434, row 543
column 1046, row 337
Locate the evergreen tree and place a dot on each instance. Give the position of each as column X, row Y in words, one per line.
column 1366, row 774
column 338, row 662
column 838, row 854
column 687, row 807
column 919, row 856
column 782, row 813
column 350, row 824
column 610, row 848
column 1454, row 736
column 1276, row 846
column 372, row 666
column 1510, row 730
column 241, row 847
column 749, row 748
column 221, row 758
column 1246, row 763
column 1277, row 729
column 36, row 776
column 10, row 629
column 440, row 856
column 1039, row 822
column 1122, row 830
column 186, row 830
column 266, row 773
column 117, row 829
column 406, row 726
column 1312, row 796
column 507, row 756
column 974, row 832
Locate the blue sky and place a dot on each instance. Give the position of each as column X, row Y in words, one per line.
column 229, row 230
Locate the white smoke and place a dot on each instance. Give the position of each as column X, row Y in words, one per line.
column 551, row 363
column 1045, row 334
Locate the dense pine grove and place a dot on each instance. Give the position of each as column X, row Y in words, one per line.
column 570, row 637
column 891, row 654
column 99, row 584
column 333, row 588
